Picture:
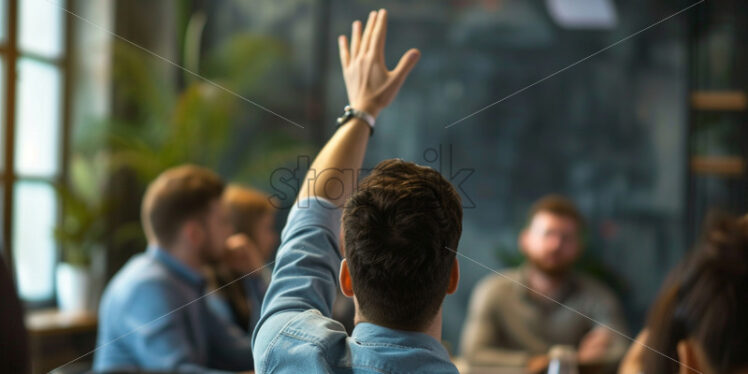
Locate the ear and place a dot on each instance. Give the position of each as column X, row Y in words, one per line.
column 454, row 277
column 688, row 363
column 346, row 283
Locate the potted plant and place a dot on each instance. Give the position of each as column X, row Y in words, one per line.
column 80, row 232
column 204, row 122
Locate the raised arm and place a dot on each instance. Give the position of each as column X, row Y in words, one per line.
column 371, row 87
column 308, row 260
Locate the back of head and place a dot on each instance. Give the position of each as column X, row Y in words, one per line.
column 177, row 195
column 705, row 299
column 401, row 228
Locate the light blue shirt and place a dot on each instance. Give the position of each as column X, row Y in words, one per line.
column 254, row 291
column 296, row 334
column 152, row 317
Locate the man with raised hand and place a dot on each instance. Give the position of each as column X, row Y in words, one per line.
column 401, row 226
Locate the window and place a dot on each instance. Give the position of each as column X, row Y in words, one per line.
column 33, row 66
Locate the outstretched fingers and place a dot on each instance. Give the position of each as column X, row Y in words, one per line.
column 405, row 65
column 345, row 56
column 380, row 34
column 355, row 38
column 368, row 31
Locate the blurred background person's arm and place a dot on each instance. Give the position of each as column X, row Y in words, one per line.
column 632, row 361
column 481, row 342
column 606, row 343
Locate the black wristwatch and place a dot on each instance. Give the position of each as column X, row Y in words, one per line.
column 350, row 113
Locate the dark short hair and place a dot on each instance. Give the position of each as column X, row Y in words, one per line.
column 401, row 228
column 177, row 195
column 705, row 298
column 559, row 206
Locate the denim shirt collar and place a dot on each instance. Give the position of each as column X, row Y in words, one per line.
column 366, row 332
column 177, row 267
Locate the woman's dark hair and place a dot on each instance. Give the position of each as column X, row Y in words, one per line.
column 705, row 299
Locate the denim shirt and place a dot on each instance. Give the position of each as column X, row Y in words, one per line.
column 296, row 333
column 254, row 291
column 152, row 316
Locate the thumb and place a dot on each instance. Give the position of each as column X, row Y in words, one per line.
column 406, row 64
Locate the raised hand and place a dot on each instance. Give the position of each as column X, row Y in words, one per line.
column 370, row 85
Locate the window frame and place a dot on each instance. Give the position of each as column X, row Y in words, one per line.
column 11, row 54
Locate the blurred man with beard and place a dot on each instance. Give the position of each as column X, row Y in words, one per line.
column 153, row 315
column 515, row 318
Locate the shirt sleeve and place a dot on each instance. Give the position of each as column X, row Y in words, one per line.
column 159, row 339
column 608, row 311
column 481, row 337
column 306, row 270
column 230, row 347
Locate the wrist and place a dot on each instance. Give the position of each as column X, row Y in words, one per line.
column 354, row 114
column 368, row 108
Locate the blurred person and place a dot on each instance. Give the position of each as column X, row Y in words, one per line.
column 400, row 227
column 698, row 322
column 240, row 294
column 153, row 315
column 515, row 318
